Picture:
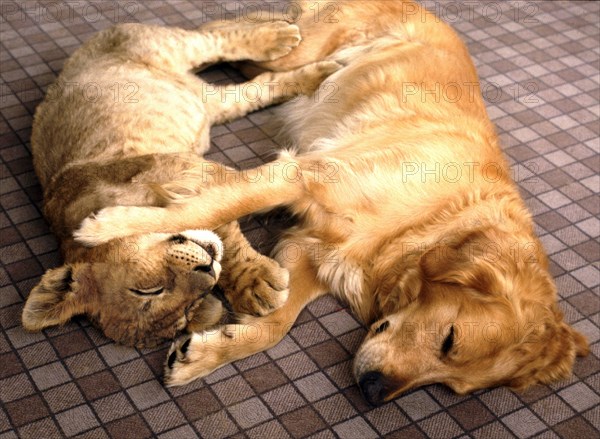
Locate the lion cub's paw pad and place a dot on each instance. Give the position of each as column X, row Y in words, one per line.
column 278, row 39
column 262, row 289
column 312, row 75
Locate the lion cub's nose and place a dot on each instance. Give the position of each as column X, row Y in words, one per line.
column 208, row 269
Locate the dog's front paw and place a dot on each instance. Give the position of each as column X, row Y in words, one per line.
column 195, row 355
column 259, row 287
column 275, row 40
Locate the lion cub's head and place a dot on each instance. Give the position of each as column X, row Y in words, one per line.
column 139, row 290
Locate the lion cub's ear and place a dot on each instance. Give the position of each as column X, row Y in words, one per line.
column 61, row 294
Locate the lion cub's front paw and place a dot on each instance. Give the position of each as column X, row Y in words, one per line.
column 312, row 75
column 274, row 40
column 258, row 287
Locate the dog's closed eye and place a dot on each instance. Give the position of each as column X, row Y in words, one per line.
column 382, row 327
column 448, row 342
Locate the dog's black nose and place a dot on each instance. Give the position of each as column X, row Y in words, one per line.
column 372, row 387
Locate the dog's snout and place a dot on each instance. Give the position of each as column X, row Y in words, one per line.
column 372, row 386
column 208, row 269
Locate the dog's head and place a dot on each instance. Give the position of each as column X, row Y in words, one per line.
column 139, row 290
column 480, row 312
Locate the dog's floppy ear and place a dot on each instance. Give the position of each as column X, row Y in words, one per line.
column 459, row 261
column 61, row 294
column 549, row 350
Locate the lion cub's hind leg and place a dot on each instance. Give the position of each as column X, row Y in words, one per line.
column 253, row 283
column 179, row 50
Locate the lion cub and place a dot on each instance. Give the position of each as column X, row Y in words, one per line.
column 125, row 116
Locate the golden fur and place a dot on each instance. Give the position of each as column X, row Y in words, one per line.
column 407, row 211
column 127, row 114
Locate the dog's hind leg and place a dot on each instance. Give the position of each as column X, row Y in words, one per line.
column 195, row 356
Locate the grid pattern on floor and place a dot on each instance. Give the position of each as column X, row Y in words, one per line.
column 539, row 67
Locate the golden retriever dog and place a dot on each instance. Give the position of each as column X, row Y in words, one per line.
column 127, row 114
column 406, row 211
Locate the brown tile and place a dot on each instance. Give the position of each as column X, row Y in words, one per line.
column 250, row 412
column 309, row 334
column 341, row 374
column 335, row 409
column 250, row 135
column 265, row 378
column 557, row 178
column 9, row 235
column 10, row 316
column 271, row 429
column 471, row 414
column 387, row 418
column 77, row 420
column 26, row 410
column 15, row 387
column 352, row 340
column 493, row 430
column 156, row 361
column 132, row 427
column 586, row 366
column 217, row 425
column 576, row 427
column 164, row 417
column 113, row 407
column 84, row 364
column 50, row 375
column 63, row 397
column 590, row 204
column 148, row 394
column 10, row 365
column 232, row 390
column 297, row 365
column 198, row 404
column 535, row 393
column 70, row 344
column 46, row 428
column 20, row 166
column 551, row 221
column 586, row 303
column 283, row 399
column 327, row 353
column 411, row 432
column 132, row 373
column 302, row 422
column 98, row 385
column 522, row 153
column 315, row 386
column 354, row 396
column 25, row 269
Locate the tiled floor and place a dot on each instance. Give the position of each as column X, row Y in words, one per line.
column 539, row 67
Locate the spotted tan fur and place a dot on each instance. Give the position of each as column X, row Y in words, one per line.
column 127, row 115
